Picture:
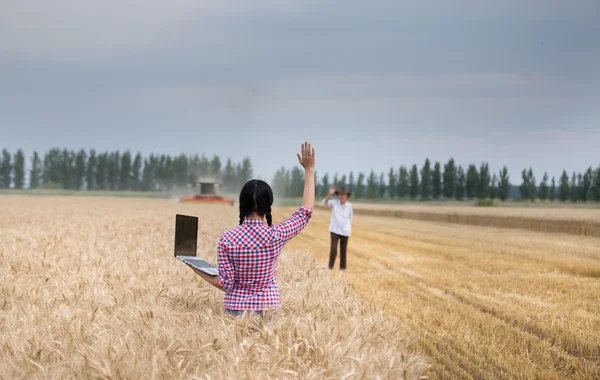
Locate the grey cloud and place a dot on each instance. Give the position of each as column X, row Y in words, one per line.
column 448, row 76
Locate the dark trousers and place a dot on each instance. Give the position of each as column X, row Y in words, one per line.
column 343, row 240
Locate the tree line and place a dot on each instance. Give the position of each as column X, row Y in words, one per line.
column 91, row 170
column 437, row 182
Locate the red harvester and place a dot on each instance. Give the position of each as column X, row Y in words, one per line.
column 208, row 192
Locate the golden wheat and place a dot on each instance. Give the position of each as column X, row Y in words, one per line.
column 487, row 303
column 89, row 289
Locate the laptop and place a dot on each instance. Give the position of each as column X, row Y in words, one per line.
column 186, row 242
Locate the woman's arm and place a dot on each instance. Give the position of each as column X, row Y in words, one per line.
column 208, row 278
column 307, row 160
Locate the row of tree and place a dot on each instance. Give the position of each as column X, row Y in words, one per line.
column 67, row 169
column 451, row 182
column 83, row 170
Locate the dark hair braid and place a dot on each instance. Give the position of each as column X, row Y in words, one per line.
column 269, row 218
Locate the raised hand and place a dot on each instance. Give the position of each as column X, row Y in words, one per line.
column 331, row 190
column 307, row 159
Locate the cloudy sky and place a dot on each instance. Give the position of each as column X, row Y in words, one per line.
column 370, row 84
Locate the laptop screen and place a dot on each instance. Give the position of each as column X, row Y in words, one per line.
column 186, row 235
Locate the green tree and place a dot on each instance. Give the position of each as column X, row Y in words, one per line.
column 125, row 172
column 544, row 189
column 493, row 191
column 524, row 188
column 449, row 179
column 372, row 185
column 90, row 175
column 426, row 185
column 239, row 176
column 351, row 183
column 296, row 182
column 472, row 184
column 35, row 174
column 168, row 172
column 325, row 184
column 504, row 185
column 573, row 191
column 437, row 180
column 229, row 176
column 553, row 190
column 204, row 167
column 597, row 184
column 113, row 170
column 564, row 190
column 414, row 182
column 52, row 173
column 68, row 169
column 19, row 169
column 392, row 183
column 280, row 184
column 136, row 172
column 194, row 172
column 344, row 181
column 103, row 171
column 461, row 184
column 580, row 188
column 484, row 181
column 532, row 185
column 5, row 170
column 403, row 184
column 79, row 170
column 381, row 186
column 588, row 182
column 180, row 168
column 360, row 185
column 247, row 170
column 147, row 173
column 215, row 167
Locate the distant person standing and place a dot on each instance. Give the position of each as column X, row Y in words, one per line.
column 340, row 227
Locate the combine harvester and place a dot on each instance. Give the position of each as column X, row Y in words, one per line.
column 208, row 192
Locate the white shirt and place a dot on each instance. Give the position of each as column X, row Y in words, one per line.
column 341, row 217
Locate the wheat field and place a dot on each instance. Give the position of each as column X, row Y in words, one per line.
column 487, row 303
column 89, row 288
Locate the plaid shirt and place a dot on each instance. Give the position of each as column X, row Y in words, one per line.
column 247, row 261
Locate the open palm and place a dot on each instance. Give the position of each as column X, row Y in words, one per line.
column 307, row 157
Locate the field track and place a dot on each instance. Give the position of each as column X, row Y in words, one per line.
column 487, row 303
column 579, row 221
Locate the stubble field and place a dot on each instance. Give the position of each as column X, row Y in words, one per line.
column 486, row 303
column 89, row 288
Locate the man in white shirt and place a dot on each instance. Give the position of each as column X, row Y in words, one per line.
column 340, row 227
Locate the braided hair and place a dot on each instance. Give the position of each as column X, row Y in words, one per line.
column 256, row 197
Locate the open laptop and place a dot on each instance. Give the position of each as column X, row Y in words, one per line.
column 186, row 242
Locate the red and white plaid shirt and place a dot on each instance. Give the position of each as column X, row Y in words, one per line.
column 247, row 261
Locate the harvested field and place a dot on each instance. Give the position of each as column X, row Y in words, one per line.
column 89, row 289
column 578, row 221
column 487, row 303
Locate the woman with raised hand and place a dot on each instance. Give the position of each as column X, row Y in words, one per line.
column 247, row 255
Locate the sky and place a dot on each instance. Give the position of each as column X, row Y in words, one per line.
column 372, row 85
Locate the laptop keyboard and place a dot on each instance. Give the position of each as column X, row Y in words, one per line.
column 200, row 263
